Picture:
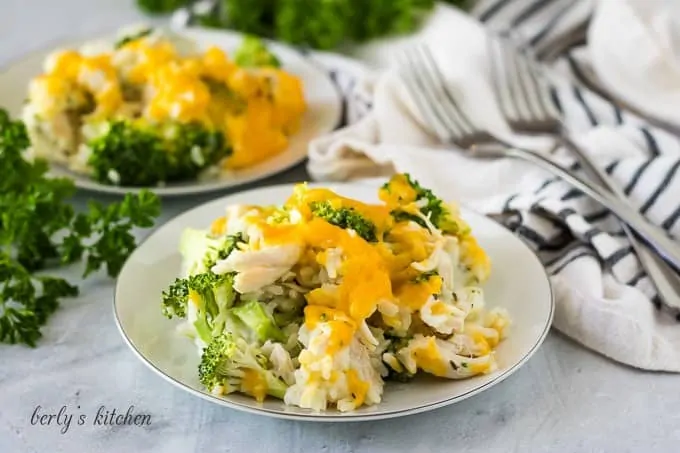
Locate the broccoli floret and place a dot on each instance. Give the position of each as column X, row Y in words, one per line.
column 129, row 154
column 253, row 53
column 253, row 315
column 434, row 207
column 430, row 205
column 175, row 299
column 347, row 218
column 230, row 364
column 221, row 252
column 213, row 294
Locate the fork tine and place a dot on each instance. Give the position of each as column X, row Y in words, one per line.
column 434, row 86
column 534, row 90
column 448, row 100
column 498, row 79
column 528, row 85
column 517, row 90
column 541, row 88
column 505, row 83
column 537, row 94
column 405, row 70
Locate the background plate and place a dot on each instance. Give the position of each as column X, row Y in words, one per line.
column 518, row 282
column 322, row 116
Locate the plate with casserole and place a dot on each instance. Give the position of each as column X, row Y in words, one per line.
column 179, row 112
column 334, row 303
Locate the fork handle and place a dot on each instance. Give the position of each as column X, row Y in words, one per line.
column 665, row 279
column 652, row 234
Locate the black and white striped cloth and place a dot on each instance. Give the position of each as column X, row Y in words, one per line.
column 650, row 181
column 605, row 299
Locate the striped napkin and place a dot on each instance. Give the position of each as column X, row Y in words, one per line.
column 605, row 300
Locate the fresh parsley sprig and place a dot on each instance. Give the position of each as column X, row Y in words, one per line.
column 39, row 229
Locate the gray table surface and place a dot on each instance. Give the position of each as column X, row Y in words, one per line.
column 566, row 398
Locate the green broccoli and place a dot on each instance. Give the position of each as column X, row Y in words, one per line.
column 347, row 218
column 213, row 294
column 227, row 245
column 253, row 53
column 201, row 251
column 433, row 207
column 131, row 155
column 176, row 298
column 253, row 315
column 228, row 361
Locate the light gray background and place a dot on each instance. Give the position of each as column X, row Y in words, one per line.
column 566, row 399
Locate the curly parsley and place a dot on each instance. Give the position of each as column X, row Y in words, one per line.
column 40, row 229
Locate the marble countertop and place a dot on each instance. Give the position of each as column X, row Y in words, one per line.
column 566, row 399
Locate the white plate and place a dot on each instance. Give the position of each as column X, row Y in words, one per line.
column 322, row 116
column 518, row 282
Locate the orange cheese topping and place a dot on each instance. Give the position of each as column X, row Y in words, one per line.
column 357, row 387
column 414, row 295
column 254, row 384
column 303, row 197
column 218, row 227
column 368, row 273
column 399, row 193
column 257, row 109
column 474, row 256
column 366, row 280
column 251, row 135
column 429, row 359
column 179, row 93
column 341, row 327
column 438, row 308
column 72, row 74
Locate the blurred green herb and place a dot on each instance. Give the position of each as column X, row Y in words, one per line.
column 134, row 37
column 320, row 24
column 39, row 228
column 161, row 6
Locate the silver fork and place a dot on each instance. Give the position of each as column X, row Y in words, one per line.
column 527, row 106
column 429, row 91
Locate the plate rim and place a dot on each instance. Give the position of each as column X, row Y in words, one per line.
column 92, row 186
column 340, row 417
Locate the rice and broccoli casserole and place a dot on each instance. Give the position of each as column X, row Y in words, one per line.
column 153, row 107
column 321, row 300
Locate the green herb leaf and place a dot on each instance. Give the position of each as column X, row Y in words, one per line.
column 39, row 229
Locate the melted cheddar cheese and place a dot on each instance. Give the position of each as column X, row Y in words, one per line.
column 360, row 290
column 257, row 109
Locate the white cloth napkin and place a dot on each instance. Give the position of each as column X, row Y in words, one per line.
column 604, row 299
column 634, row 48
